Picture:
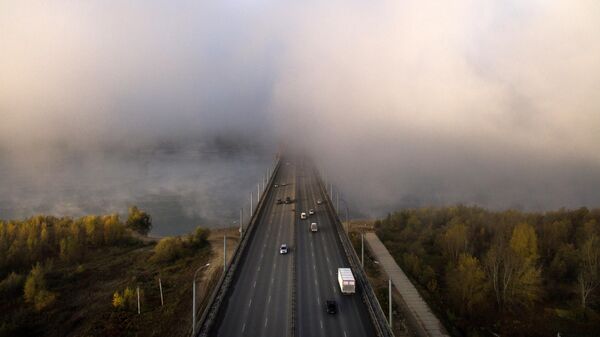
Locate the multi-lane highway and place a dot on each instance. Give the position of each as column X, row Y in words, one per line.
column 319, row 255
column 260, row 298
column 259, row 304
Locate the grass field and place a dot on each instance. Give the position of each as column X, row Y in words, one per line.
column 84, row 303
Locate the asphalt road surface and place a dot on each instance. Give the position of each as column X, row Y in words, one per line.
column 260, row 300
column 319, row 255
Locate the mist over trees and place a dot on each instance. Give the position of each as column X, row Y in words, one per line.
column 504, row 271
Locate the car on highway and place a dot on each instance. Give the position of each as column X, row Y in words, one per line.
column 314, row 227
column 311, row 212
column 283, row 184
column 288, row 200
column 303, row 215
column 275, row 185
column 319, row 202
column 283, row 249
column 279, row 201
column 331, row 307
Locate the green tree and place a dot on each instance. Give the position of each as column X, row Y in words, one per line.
column 139, row 221
column 199, row 238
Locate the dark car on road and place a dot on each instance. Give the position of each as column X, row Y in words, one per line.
column 279, row 202
column 331, row 307
column 288, row 200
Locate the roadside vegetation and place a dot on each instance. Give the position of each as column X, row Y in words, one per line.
column 504, row 273
column 81, row 277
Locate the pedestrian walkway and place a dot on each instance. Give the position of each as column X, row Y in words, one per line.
column 417, row 311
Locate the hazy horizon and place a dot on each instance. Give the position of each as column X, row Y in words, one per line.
column 410, row 103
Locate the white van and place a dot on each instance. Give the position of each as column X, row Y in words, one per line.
column 313, row 227
column 303, row 215
column 346, row 281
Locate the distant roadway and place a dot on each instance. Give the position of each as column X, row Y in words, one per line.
column 260, row 300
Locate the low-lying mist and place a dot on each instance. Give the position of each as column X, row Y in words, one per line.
column 403, row 103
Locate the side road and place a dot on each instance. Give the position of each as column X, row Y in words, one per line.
column 419, row 317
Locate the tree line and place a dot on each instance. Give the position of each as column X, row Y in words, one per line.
column 482, row 267
column 28, row 248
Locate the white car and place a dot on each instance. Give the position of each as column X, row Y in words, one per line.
column 283, row 249
column 311, row 212
column 303, row 215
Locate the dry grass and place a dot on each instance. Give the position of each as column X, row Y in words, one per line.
column 83, row 306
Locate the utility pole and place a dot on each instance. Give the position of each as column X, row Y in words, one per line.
column 390, row 300
column 241, row 221
column 224, row 252
column 194, row 299
column 161, row 294
column 362, row 250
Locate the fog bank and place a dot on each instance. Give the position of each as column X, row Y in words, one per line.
column 410, row 103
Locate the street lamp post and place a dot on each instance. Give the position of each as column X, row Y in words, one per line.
column 194, row 299
column 390, row 301
column 347, row 218
column 362, row 249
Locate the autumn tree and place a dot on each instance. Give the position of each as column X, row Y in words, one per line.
column 139, row 221
column 199, row 238
column 512, row 268
column 35, row 290
column 114, row 230
column 168, row 249
column 94, row 230
column 455, row 241
column 588, row 278
column 466, row 284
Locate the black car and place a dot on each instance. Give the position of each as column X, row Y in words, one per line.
column 279, row 202
column 331, row 307
column 288, row 200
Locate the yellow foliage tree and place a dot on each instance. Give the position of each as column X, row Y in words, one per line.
column 466, row 283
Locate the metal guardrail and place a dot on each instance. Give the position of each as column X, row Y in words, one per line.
column 368, row 295
column 210, row 314
column 292, row 332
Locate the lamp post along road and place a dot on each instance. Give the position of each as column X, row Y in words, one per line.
column 347, row 213
column 194, row 299
column 390, row 301
column 362, row 250
column 241, row 222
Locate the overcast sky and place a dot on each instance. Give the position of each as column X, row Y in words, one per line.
column 409, row 102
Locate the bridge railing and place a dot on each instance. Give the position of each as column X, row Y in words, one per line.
column 221, row 291
column 368, row 295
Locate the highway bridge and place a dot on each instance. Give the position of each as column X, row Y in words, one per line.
column 265, row 293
